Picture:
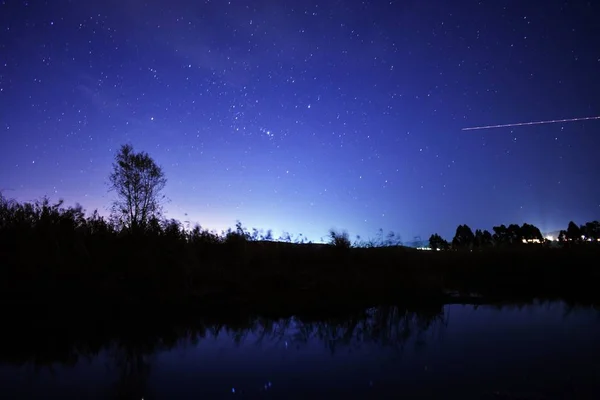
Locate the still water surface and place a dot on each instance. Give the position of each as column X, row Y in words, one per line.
column 535, row 351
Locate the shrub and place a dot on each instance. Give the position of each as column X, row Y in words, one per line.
column 339, row 239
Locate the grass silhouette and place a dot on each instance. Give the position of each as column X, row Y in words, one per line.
column 56, row 254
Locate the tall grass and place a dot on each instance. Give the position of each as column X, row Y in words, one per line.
column 49, row 251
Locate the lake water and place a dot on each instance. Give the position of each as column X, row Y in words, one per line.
column 535, row 351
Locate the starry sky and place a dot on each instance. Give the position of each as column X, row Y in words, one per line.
column 301, row 116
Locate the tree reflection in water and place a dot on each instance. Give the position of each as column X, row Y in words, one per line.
column 130, row 345
column 131, row 348
column 133, row 365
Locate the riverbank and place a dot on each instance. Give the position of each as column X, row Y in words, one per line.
column 55, row 255
column 295, row 278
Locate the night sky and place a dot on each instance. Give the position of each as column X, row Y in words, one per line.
column 302, row 116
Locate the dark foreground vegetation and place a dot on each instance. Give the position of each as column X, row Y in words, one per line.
column 56, row 256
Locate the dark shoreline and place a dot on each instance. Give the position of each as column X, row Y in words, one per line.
column 226, row 307
column 289, row 279
column 54, row 257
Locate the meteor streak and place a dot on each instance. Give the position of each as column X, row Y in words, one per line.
column 554, row 121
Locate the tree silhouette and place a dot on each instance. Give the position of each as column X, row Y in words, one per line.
column 437, row 242
column 483, row 238
column 464, row 237
column 531, row 233
column 591, row 230
column 514, row 234
column 138, row 181
column 562, row 235
column 573, row 232
column 501, row 235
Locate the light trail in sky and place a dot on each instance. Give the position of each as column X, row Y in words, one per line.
column 554, row 121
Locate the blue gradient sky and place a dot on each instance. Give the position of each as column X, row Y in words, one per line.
column 302, row 116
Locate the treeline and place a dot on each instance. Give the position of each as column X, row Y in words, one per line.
column 513, row 235
column 50, row 243
column 46, row 220
column 48, row 248
column 52, row 252
column 42, row 229
column 49, row 251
